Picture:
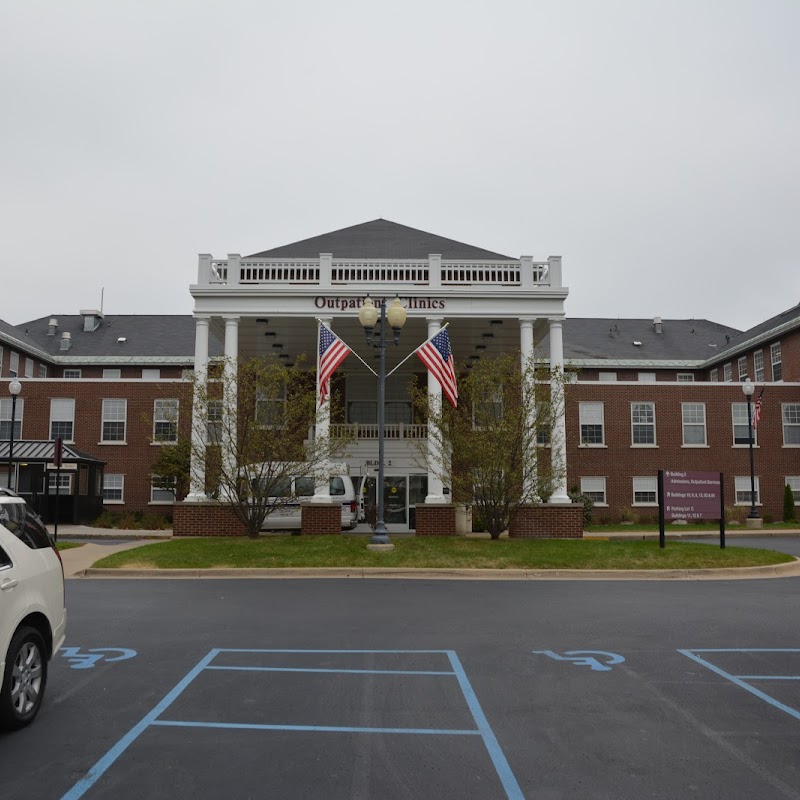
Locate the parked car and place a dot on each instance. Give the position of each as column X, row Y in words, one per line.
column 33, row 612
column 300, row 490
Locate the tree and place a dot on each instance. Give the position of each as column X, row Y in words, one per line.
column 497, row 439
column 254, row 430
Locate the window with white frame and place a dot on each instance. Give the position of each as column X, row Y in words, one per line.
column 741, row 366
column 62, row 418
column 487, row 410
column 362, row 399
column 793, row 482
column 775, row 357
column 790, row 413
column 607, row 377
column 727, row 373
column 165, row 421
column 151, row 374
column 5, row 417
column 113, row 488
column 59, row 483
column 595, row 489
column 115, row 414
column 28, row 367
column 693, row 417
column 741, row 426
column 271, row 408
column 162, row 491
column 645, row 491
column 743, row 491
column 685, row 377
column 544, row 424
column 592, row 423
column 13, row 364
column 647, row 377
column 214, row 422
column 42, row 371
column 643, row 423
column 713, row 376
column 72, row 373
column 112, row 374
column 758, row 366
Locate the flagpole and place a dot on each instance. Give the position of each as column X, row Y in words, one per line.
column 421, row 346
column 353, row 352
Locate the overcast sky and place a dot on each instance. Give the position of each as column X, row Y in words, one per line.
column 654, row 144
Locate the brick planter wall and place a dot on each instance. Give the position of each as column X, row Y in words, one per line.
column 436, row 520
column 548, row 521
column 320, row 518
column 205, row 519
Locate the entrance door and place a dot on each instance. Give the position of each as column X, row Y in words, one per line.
column 395, row 495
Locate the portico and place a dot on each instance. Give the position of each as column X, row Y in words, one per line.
column 268, row 303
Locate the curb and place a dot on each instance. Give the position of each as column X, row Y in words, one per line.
column 791, row 569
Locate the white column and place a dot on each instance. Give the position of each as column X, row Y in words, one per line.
column 322, row 430
column 197, row 458
column 529, row 469
column 230, row 389
column 558, row 446
column 435, row 456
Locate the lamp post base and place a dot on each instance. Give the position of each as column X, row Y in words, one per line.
column 380, row 548
column 753, row 522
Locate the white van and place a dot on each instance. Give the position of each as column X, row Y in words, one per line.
column 301, row 490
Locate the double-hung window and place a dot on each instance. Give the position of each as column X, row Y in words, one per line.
column 165, row 421
column 727, row 373
column 214, row 421
column 694, row 424
column 595, row 489
column 591, row 422
column 162, row 491
column 13, row 364
column 758, row 366
column 113, row 488
column 775, row 357
column 271, row 407
column 713, row 376
column 741, row 427
column 5, row 418
column 643, row 423
column 28, row 367
column 741, row 366
column 743, row 490
column 793, row 482
column 115, row 413
column 685, row 377
column 645, row 491
column 790, row 413
column 62, row 419
column 72, row 373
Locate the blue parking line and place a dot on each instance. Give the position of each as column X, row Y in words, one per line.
column 739, row 681
column 97, row 771
column 335, row 671
column 312, row 728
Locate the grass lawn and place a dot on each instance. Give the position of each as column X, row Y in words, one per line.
column 435, row 552
column 68, row 545
column 700, row 527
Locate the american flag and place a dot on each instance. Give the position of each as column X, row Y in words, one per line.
column 757, row 410
column 438, row 358
column 332, row 351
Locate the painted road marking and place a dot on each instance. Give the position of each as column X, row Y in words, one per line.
column 153, row 718
column 586, row 658
column 742, row 680
column 90, row 658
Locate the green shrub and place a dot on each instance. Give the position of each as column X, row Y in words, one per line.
column 588, row 504
column 788, row 504
column 154, row 522
column 478, row 522
column 735, row 514
column 629, row 516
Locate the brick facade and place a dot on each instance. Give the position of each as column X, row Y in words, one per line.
column 548, row 521
column 436, row 520
column 205, row 519
column 320, row 519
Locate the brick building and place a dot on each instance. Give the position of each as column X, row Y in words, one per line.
column 649, row 394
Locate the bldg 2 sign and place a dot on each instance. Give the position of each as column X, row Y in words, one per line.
column 692, row 495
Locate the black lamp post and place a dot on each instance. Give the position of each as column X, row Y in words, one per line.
column 368, row 316
column 14, row 388
column 748, row 388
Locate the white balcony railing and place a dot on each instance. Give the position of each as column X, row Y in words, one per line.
column 398, row 430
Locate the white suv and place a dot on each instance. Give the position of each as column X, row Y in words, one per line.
column 32, row 610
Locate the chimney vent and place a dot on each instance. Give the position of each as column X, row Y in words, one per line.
column 657, row 324
column 52, row 326
column 91, row 319
column 66, row 340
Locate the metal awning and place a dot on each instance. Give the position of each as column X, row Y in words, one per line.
column 43, row 451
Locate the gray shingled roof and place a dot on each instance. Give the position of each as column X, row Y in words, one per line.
column 613, row 339
column 144, row 334
column 19, row 339
column 380, row 239
column 41, row 450
column 741, row 341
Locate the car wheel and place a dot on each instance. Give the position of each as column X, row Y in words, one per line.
column 24, row 680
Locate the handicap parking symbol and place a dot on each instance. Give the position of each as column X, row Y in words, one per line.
column 90, row 658
column 598, row 660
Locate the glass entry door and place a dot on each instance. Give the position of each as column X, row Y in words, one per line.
column 395, row 499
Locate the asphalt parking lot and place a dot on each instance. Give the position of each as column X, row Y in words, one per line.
column 423, row 689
